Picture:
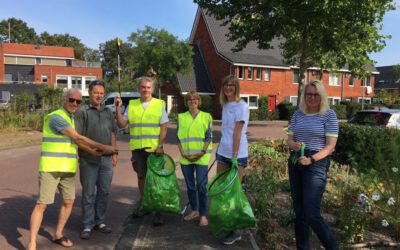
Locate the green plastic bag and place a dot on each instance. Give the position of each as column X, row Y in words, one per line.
column 161, row 189
column 229, row 208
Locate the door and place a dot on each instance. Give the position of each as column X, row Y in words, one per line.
column 271, row 102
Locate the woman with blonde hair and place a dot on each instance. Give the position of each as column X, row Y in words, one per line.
column 312, row 138
column 233, row 147
column 195, row 145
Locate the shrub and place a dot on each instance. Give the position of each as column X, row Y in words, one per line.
column 340, row 111
column 365, row 147
column 263, row 109
column 286, row 110
column 253, row 115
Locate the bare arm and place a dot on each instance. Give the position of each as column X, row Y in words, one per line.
column 237, row 134
column 163, row 135
column 121, row 122
column 292, row 144
column 327, row 150
column 114, row 144
column 86, row 143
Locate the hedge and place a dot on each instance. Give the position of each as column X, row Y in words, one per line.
column 365, row 147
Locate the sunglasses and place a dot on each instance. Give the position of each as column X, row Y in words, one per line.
column 72, row 100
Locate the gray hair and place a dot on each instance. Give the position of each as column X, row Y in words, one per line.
column 71, row 90
column 146, row 79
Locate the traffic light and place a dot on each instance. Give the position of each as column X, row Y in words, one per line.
column 118, row 42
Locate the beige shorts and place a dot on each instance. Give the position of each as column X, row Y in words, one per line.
column 50, row 181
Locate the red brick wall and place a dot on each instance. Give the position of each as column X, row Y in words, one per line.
column 52, row 71
column 218, row 67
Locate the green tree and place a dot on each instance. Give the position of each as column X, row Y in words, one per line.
column 64, row 40
column 109, row 55
column 396, row 72
column 19, row 30
column 327, row 34
column 162, row 51
column 91, row 55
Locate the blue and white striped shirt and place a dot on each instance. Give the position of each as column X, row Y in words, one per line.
column 313, row 129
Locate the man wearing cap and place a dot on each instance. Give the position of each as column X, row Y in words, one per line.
column 96, row 122
column 58, row 165
column 147, row 119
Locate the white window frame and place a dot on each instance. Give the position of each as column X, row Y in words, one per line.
column 366, row 100
column 267, row 79
column 334, row 100
column 258, row 73
column 38, row 61
column 250, row 73
column 335, row 79
column 241, row 72
column 44, row 76
column 366, row 82
column 293, row 100
column 246, row 98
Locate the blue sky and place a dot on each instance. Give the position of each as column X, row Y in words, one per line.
column 97, row 21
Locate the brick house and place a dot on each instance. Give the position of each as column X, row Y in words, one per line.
column 261, row 72
column 41, row 64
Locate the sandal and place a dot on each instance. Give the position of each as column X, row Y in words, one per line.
column 63, row 241
column 203, row 221
column 193, row 215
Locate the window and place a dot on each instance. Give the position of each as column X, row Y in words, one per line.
column 267, row 74
column 240, row 72
column 38, row 60
column 334, row 100
column 76, row 82
column 251, row 100
column 62, row 81
column 366, row 100
column 68, row 62
column 250, row 73
column 293, row 100
column 258, row 74
column 44, row 78
column 366, row 81
column 335, row 79
column 351, row 81
column 296, row 75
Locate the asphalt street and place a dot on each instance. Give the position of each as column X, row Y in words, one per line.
column 19, row 185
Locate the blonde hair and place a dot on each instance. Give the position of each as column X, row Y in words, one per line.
column 319, row 86
column 192, row 95
column 233, row 80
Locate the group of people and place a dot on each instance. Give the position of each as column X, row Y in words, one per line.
column 92, row 128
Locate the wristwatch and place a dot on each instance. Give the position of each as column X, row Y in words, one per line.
column 312, row 160
column 204, row 152
column 160, row 146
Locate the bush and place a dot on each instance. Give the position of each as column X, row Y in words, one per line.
column 340, row 111
column 365, row 147
column 263, row 109
column 286, row 110
column 253, row 115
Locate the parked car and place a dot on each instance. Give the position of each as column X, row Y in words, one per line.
column 4, row 104
column 389, row 118
column 109, row 100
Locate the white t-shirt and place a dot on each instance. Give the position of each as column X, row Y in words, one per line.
column 164, row 118
column 233, row 112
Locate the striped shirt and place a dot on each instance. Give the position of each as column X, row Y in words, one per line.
column 313, row 129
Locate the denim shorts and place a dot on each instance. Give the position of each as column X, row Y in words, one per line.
column 241, row 161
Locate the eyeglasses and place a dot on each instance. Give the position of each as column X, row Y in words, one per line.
column 230, row 85
column 311, row 95
column 72, row 100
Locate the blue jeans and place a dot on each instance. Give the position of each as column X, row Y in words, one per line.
column 96, row 181
column 201, row 173
column 307, row 185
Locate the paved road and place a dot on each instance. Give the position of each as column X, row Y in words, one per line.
column 18, row 190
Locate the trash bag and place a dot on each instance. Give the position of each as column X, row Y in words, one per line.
column 161, row 190
column 229, row 208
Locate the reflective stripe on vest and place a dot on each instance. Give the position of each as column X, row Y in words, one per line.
column 59, row 152
column 144, row 124
column 191, row 135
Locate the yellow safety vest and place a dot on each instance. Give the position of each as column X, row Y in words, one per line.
column 191, row 134
column 59, row 152
column 145, row 124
